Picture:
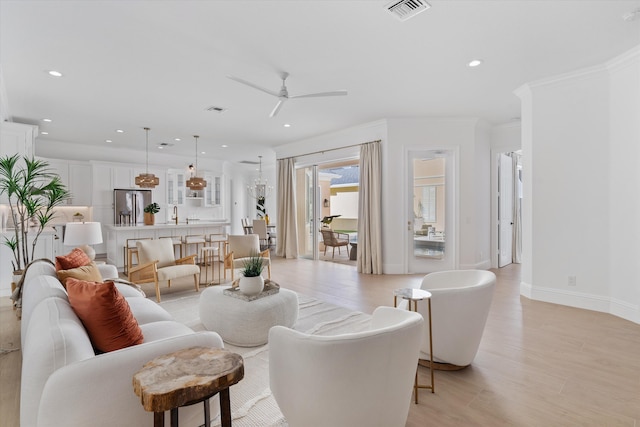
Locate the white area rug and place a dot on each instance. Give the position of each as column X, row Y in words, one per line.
column 252, row 404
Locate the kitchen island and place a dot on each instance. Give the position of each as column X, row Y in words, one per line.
column 117, row 235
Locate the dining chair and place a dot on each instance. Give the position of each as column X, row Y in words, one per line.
column 260, row 228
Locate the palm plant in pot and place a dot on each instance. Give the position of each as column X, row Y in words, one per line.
column 252, row 282
column 149, row 211
column 33, row 191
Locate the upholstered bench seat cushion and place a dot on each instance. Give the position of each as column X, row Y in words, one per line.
column 146, row 311
column 175, row 271
column 156, row 331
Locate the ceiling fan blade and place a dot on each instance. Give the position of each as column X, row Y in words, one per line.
column 314, row 95
column 255, row 86
column 277, row 107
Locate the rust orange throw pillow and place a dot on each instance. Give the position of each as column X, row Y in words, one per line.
column 105, row 314
column 74, row 259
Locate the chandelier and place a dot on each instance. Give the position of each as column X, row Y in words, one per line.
column 195, row 182
column 260, row 190
column 147, row 180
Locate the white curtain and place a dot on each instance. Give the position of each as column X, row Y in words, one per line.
column 287, row 227
column 516, row 246
column 370, row 210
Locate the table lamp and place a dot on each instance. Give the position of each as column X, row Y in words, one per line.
column 83, row 234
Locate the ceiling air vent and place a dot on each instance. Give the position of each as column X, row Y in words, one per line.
column 405, row 9
column 215, row 109
column 248, row 162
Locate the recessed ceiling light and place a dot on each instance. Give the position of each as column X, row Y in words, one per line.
column 47, row 120
column 203, row 152
column 474, row 63
column 224, row 145
column 287, row 125
column 44, row 133
column 177, row 139
column 160, row 147
column 55, row 73
column 119, row 131
column 108, row 140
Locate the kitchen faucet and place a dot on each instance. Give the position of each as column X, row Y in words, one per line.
column 175, row 213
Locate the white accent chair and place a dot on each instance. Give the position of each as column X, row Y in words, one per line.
column 239, row 249
column 460, row 301
column 157, row 262
column 355, row 379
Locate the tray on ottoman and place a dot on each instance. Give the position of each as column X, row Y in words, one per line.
column 270, row 288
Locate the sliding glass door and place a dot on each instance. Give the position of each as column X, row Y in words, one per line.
column 308, row 206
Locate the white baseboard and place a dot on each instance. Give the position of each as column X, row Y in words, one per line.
column 482, row 265
column 599, row 303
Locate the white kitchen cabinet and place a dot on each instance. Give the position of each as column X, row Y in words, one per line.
column 122, row 177
column 17, row 138
column 76, row 176
column 80, row 183
column 44, row 249
column 176, row 187
column 213, row 191
column 102, row 188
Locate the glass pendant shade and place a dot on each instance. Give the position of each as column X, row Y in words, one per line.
column 196, row 183
column 147, row 180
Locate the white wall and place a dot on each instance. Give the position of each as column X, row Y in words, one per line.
column 470, row 136
column 624, row 185
column 580, row 153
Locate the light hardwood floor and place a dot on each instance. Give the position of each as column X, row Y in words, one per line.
column 539, row 364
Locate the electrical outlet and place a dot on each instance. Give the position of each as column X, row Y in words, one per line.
column 572, row 281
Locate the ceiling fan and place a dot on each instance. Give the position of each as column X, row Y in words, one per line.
column 283, row 94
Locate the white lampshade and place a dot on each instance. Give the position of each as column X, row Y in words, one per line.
column 83, row 234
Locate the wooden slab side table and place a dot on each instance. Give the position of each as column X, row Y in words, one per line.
column 187, row 377
column 413, row 296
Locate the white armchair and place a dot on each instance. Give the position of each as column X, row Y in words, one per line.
column 357, row 379
column 460, row 302
column 238, row 251
column 157, row 262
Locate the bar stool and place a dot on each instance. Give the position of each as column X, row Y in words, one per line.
column 194, row 239
column 212, row 254
column 177, row 241
column 130, row 250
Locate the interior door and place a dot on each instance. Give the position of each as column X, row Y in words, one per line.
column 505, row 210
column 431, row 226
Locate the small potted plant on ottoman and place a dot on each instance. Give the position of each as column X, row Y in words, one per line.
column 252, row 282
column 149, row 211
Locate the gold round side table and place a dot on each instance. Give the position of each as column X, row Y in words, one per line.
column 413, row 296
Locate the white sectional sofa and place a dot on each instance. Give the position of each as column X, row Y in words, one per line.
column 64, row 383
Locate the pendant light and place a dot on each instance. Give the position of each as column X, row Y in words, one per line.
column 259, row 190
column 195, row 182
column 147, row 180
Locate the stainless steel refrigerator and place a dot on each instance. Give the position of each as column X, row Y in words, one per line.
column 129, row 206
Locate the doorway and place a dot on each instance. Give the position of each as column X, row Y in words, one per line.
column 509, row 208
column 432, row 206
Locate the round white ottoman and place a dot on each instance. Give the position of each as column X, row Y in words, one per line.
column 246, row 323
